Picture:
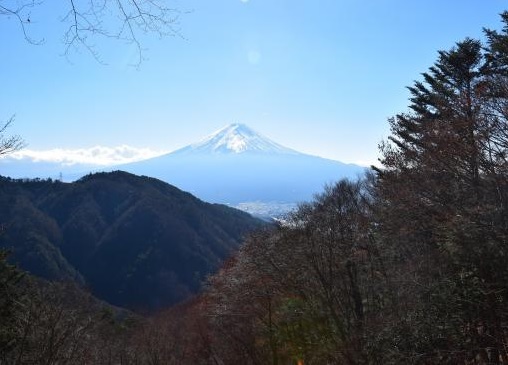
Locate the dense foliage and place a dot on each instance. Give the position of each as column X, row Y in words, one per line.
column 136, row 242
column 55, row 323
column 410, row 265
column 407, row 266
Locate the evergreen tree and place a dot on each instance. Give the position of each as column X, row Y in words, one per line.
column 441, row 207
column 9, row 303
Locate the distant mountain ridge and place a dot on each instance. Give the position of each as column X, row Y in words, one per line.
column 137, row 242
column 237, row 165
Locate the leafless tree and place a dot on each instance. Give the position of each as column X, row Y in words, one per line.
column 89, row 20
column 9, row 144
column 306, row 290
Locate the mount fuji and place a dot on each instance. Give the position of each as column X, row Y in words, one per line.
column 238, row 166
column 235, row 139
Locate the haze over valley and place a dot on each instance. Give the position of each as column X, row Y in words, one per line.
column 235, row 165
column 247, row 182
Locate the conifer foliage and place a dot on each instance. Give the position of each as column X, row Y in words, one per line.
column 408, row 265
column 443, row 190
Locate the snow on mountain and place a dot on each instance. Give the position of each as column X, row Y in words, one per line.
column 237, row 165
column 236, row 138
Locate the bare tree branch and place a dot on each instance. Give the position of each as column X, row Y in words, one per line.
column 125, row 20
column 9, row 144
column 20, row 11
column 90, row 20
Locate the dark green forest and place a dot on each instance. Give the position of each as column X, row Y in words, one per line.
column 408, row 265
column 135, row 242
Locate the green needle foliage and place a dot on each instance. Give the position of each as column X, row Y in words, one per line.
column 10, row 296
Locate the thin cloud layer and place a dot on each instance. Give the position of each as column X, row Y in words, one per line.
column 97, row 155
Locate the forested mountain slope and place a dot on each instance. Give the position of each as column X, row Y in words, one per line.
column 135, row 241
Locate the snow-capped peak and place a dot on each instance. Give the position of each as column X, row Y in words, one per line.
column 234, row 139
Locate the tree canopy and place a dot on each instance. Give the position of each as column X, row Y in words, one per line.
column 408, row 265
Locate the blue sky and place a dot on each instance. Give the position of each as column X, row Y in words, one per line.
column 318, row 76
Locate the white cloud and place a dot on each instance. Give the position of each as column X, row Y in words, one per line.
column 97, row 155
column 244, row 1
